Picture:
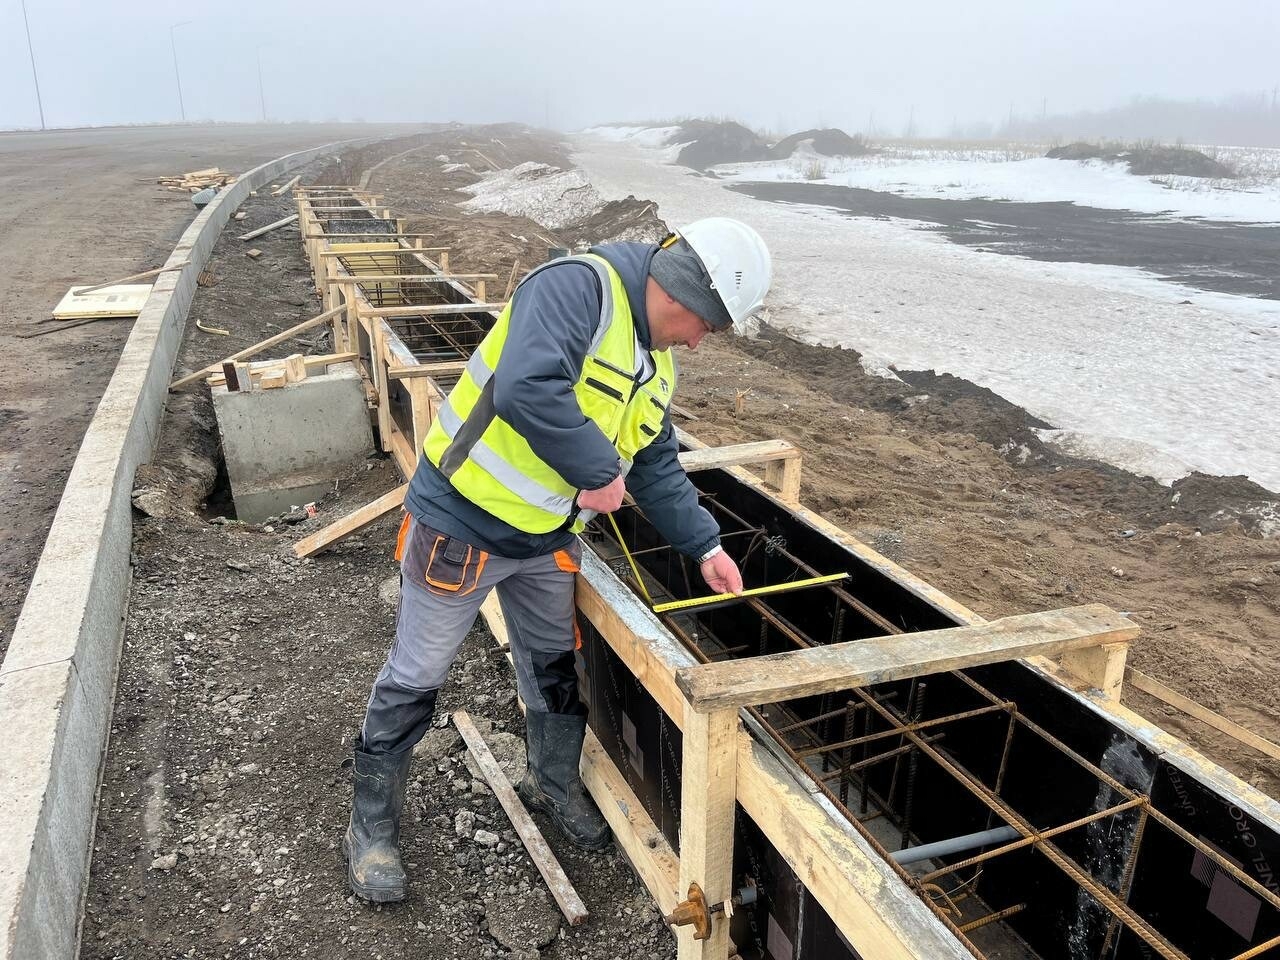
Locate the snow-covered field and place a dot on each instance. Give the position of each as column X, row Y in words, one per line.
column 1109, row 355
column 1092, row 183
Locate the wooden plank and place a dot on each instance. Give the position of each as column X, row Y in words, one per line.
column 756, row 451
column 1100, row 667
column 402, row 449
column 344, row 527
column 708, row 795
column 418, row 371
column 633, row 829
column 1173, row 698
column 571, row 905
column 419, row 409
column 879, row 916
column 841, row 666
column 80, row 291
column 424, row 277
column 258, row 347
column 282, row 222
column 634, row 633
column 285, row 189
column 432, row 309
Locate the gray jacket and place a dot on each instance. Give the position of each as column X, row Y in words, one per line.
column 553, row 317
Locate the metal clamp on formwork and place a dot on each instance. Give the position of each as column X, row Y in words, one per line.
column 694, row 910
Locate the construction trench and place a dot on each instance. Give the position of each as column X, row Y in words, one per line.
column 1069, row 827
column 1027, row 822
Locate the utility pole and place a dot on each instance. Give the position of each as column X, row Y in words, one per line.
column 178, row 76
column 262, row 97
column 31, row 52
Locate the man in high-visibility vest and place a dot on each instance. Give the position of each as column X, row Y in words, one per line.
column 562, row 408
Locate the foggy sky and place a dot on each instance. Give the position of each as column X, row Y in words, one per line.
column 777, row 65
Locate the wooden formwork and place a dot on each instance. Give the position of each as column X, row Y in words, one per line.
column 728, row 761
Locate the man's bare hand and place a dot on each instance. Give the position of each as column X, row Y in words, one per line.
column 603, row 499
column 722, row 574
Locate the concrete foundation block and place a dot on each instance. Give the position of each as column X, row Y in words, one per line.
column 284, row 447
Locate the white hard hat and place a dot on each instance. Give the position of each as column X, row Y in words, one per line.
column 737, row 261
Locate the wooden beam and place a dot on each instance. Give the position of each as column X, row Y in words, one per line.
column 1101, row 667
column 1152, row 686
column 635, row 634
column 258, row 347
column 633, row 829
column 784, row 476
column 877, row 913
column 342, row 528
column 431, row 309
column 841, row 666
column 757, row 451
column 571, row 905
column 708, row 796
column 80, row 291
column 440, row 369
column 282, row 222
column 285, row 189
column 423, row 277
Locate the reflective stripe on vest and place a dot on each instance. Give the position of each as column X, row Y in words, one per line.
column 490, row 464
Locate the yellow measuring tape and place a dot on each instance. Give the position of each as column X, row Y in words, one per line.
column 753, row 592
column 634, row 569
column 717, row 597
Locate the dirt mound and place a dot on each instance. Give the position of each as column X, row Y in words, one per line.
column 628, row 219
column 1147, row 159
column 829, row 142
column 710, row 143
column 941, row 404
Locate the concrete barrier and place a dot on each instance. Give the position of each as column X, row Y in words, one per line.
column 57, row 681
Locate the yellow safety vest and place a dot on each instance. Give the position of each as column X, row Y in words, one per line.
column 494, row 467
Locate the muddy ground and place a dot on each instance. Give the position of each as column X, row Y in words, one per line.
column 82, row 206
column 245, row 671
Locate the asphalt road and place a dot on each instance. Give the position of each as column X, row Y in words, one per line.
column 1225, row 257
column 82, row 206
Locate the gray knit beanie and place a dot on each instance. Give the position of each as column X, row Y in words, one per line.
column 678, row 271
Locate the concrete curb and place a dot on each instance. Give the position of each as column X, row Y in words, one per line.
column 57, row 682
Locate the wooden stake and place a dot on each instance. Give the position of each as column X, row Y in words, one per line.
column 295, row 368
column 511, row 280
column 571, row 905
column 708, row 794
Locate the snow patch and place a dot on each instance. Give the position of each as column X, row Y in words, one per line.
column 1135, row 456
column 547, row 194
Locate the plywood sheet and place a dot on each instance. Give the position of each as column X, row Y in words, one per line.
column 122, row 300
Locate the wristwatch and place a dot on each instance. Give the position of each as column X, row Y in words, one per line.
column 711, row 553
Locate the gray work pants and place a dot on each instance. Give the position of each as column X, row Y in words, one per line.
column 443, row 581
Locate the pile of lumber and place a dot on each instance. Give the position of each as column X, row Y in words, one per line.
column 197, row 180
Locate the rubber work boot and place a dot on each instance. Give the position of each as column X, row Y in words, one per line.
column 552, row 784
column 372, row 843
